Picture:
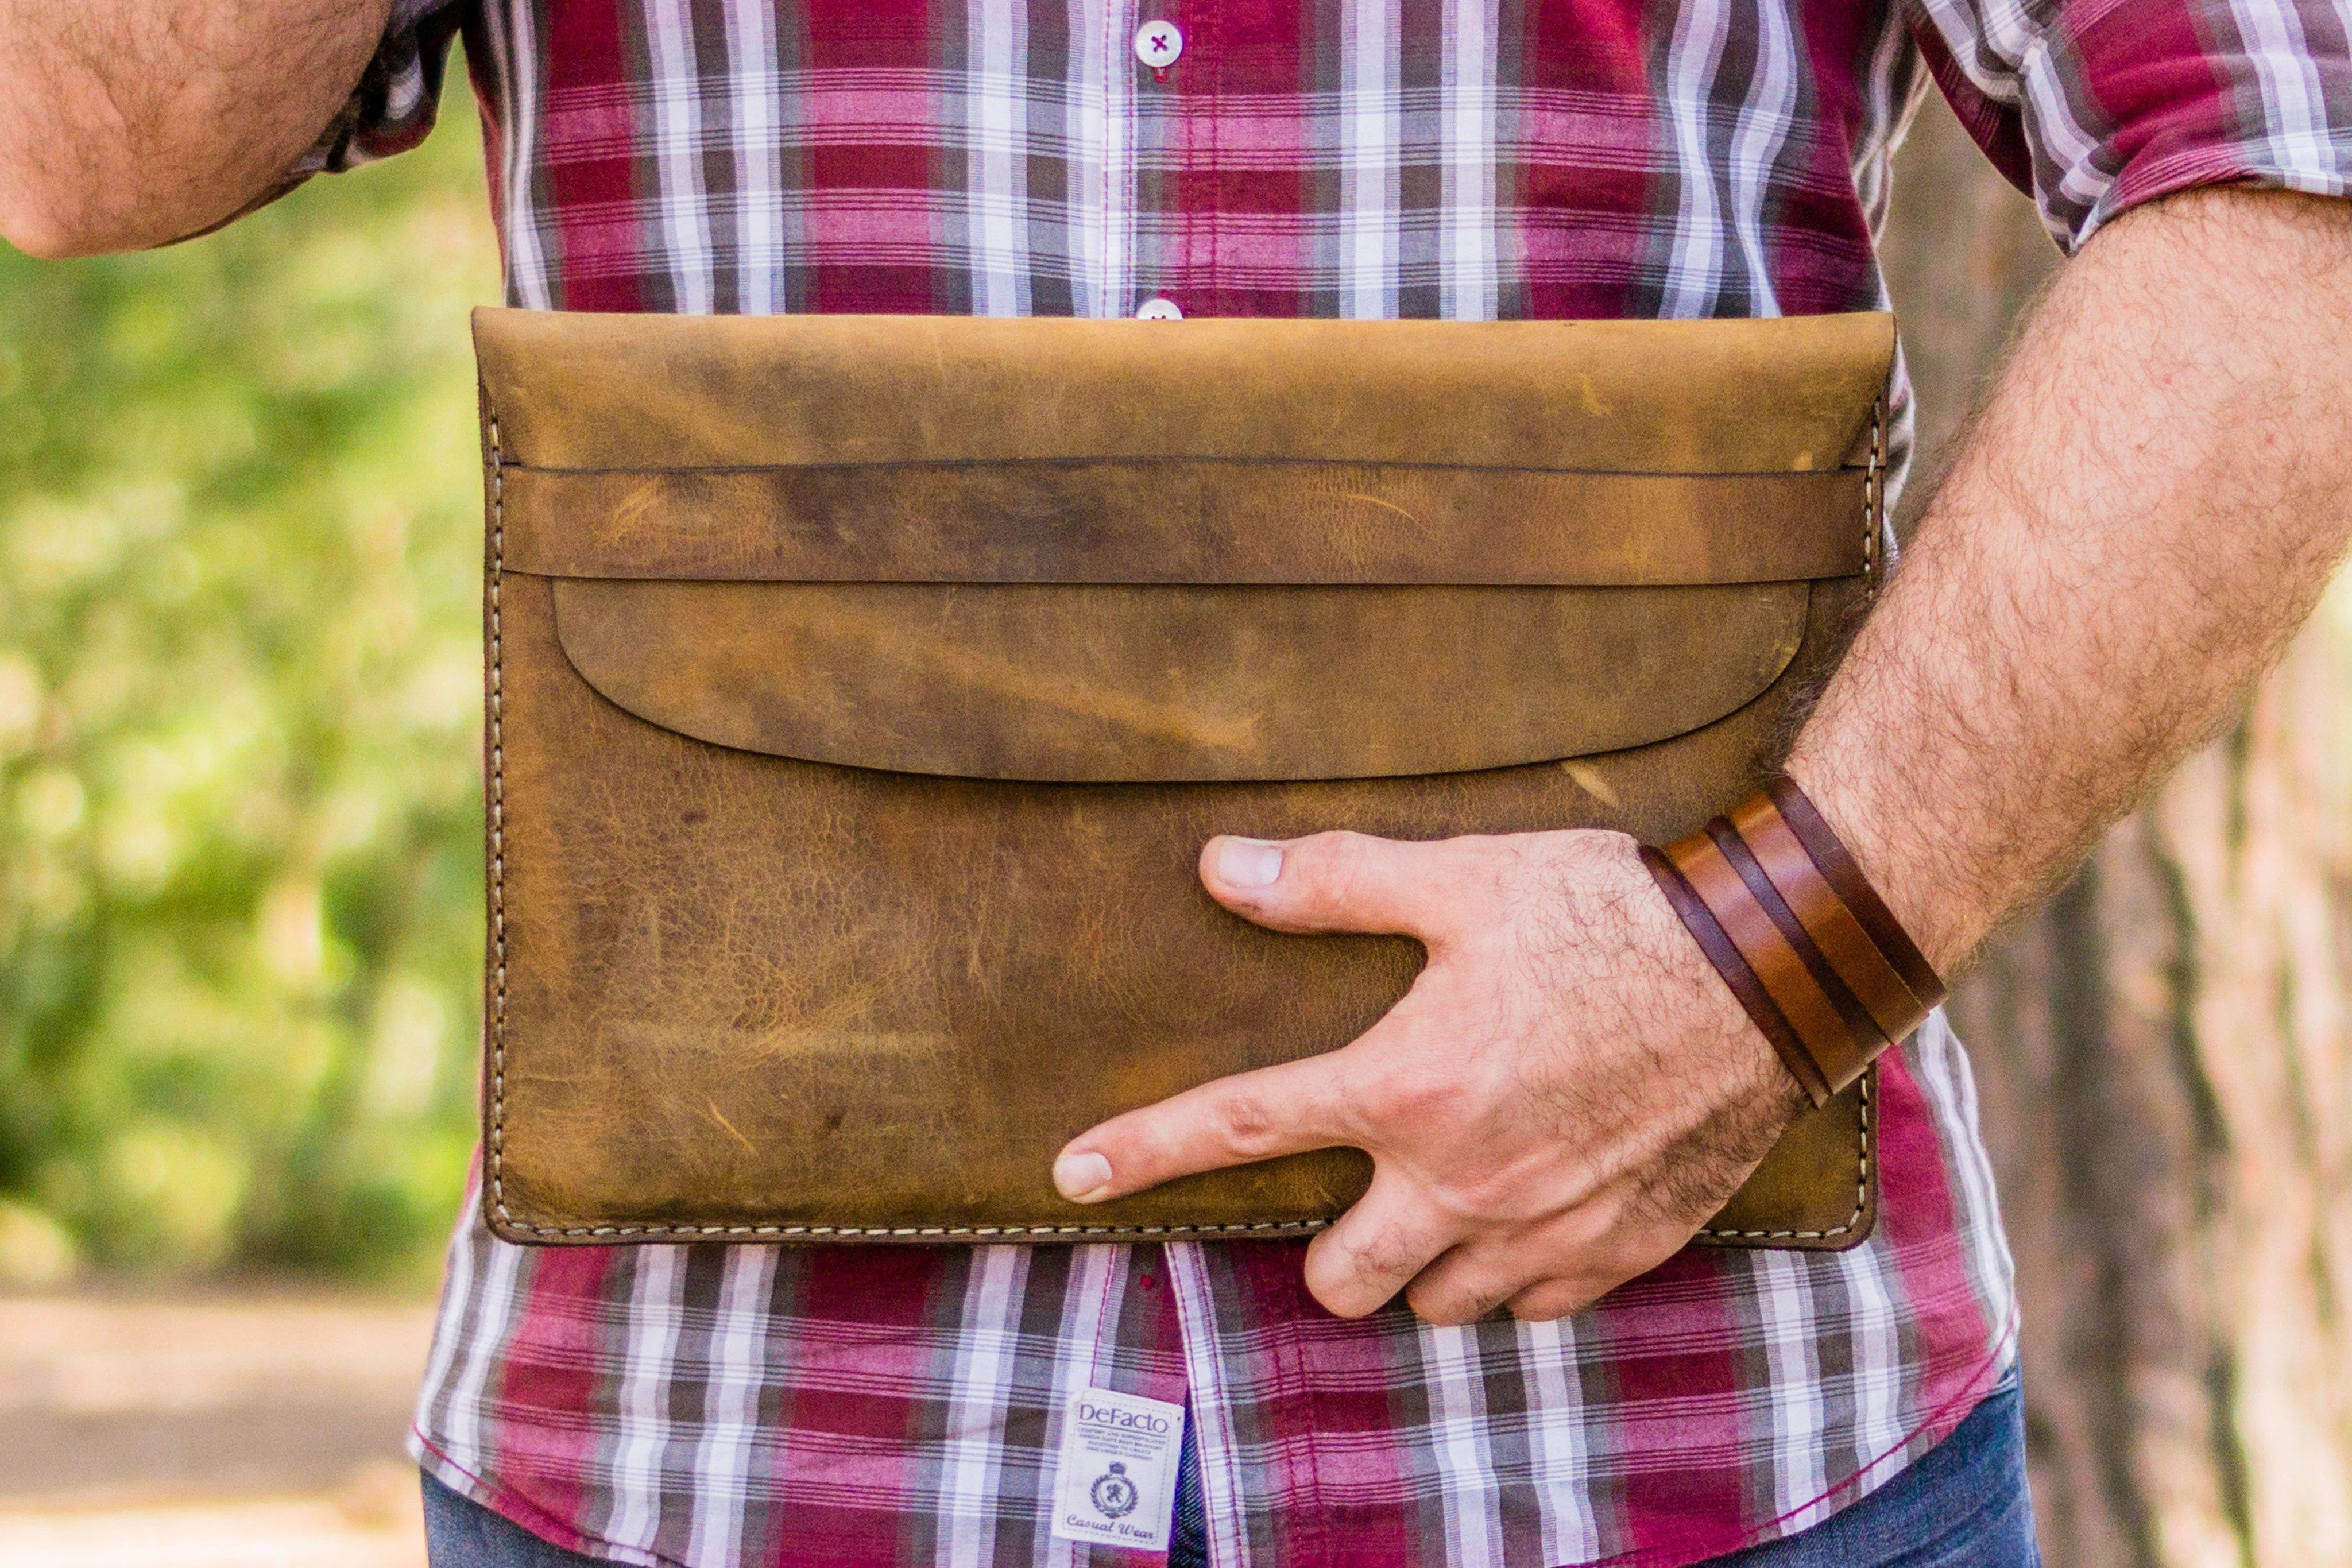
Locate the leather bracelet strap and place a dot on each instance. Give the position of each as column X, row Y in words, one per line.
column 1841, row 1054
column 1876, row 983
column 1725, row 956
column 1778, row 967
column 1837, row 867
column 1786, row 916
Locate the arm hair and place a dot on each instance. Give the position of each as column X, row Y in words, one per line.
column 2144, row 510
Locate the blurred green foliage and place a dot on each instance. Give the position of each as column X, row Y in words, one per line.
column 239, row 728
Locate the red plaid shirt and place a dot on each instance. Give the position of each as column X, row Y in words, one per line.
column 1453, row 158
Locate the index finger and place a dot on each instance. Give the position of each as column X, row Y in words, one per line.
column 1283, row 1110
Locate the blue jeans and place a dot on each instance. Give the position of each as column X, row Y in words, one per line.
column 1963, row 1505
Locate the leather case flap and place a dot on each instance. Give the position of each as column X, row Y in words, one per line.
column 575, row 392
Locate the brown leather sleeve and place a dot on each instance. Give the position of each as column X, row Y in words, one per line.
column 859, row 692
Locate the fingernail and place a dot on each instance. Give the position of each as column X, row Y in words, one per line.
column 1248, row 863
column 1077, row 1176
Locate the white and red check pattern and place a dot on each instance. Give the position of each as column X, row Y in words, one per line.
column 1366, row 158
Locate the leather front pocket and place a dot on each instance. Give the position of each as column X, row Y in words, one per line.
column 862, row 689
column 1117, row 684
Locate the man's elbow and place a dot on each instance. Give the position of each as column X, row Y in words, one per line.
column 47, row 216
column 60, row 231
column 48, row 232
column 55, row 215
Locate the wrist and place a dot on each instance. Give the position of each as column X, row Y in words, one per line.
column 1740, row 1067
column 1928, row 895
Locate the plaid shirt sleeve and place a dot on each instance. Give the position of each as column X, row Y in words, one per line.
column 391, row 110
column 2094, row 107
column 396, row 103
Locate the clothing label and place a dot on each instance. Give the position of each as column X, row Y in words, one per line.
column 1118, row 1484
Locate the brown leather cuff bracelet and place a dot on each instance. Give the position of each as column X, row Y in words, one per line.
column 1811, row 952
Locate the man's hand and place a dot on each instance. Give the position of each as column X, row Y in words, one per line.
column 126, row 123
column 1564, row 1096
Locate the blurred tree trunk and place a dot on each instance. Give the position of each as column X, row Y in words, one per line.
column 2162, row 1054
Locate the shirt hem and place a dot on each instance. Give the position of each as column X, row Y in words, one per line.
column 521, row 1511
column 1862, row 1483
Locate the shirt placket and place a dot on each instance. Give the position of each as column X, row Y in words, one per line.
column 1156, row 48
column 1222, row 1484
column 1102, row 170
column 1144, row 46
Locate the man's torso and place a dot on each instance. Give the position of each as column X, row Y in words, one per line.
column 1385, row 158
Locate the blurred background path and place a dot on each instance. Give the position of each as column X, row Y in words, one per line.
column 259, row 1428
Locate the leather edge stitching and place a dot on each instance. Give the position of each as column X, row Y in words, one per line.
column 1874, row 499
column 1861, row 1186
column 498, row 878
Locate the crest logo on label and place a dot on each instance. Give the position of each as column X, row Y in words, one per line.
column 1114, row 1495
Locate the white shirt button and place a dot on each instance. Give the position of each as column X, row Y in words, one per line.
column 1158, row 44
column 1159, row 307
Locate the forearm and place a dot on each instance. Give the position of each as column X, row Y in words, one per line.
column 2142, row 514
column 130, row 122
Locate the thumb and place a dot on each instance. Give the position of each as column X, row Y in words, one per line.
column 1344, row 882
